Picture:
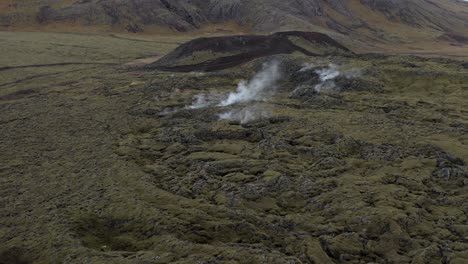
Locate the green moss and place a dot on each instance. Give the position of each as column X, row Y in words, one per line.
column 314, row 48
column 239, row 177
column 271, row 175
column 210, row 156
column 99, row 175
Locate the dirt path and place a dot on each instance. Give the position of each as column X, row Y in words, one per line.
column 52, row 65
column 143, row 40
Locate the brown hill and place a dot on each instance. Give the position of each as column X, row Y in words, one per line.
column 383, row 20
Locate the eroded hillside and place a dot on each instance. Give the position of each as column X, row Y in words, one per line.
column 386, row 20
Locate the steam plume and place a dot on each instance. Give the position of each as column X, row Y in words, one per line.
column 258, row 88
column 327, row 78
column 328, row 75
column 246, row 114
column 204, row 100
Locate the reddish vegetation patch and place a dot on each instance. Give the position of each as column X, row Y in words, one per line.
column 143, row 62
column 246, row 48
column 6, row 5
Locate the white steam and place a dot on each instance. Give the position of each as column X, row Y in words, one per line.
column 246, row 114
column 307, row 66
column 204, row 100
column 259, row 88
column 200, row 101
column 327, row 78
column 351, row 74
column 328, row 75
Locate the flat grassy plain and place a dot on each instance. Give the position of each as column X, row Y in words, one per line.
column 104, row 163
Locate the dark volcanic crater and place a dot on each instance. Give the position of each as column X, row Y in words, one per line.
column 218, row 53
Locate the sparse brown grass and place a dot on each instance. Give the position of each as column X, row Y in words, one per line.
column 6, row 6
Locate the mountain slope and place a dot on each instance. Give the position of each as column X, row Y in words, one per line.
column 384, row 19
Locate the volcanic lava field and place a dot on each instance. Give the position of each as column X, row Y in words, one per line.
column 309, row 153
